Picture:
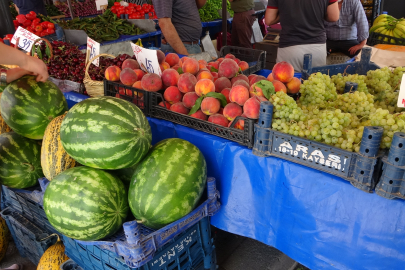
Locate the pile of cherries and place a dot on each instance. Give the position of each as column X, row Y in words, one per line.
column 97, row 73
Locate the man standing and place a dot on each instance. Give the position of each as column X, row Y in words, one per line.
column 242, row 23
column 303, row 30
column 180, row 23
column 25, row 6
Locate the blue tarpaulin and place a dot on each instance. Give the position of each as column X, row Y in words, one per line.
column 317, row 219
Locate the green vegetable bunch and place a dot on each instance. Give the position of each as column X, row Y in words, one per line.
column 51, row 10
column 103, row 27
column 210, row 10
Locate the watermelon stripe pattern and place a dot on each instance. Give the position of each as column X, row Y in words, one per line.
column 168, row 183
column 20, row 161
column 28, row 106
column 106, row 133
column 86, row 203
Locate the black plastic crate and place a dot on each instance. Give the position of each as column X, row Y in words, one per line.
column 148, row 103
column 377, row 38
column 255, row 58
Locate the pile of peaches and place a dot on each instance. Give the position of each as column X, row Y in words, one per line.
column 216, row 91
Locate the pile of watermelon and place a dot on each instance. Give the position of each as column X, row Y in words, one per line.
column 99, row 159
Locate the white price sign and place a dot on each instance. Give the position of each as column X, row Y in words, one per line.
column 93, row 49
column 26, row 40
column 102, row 4
column 401, row 96
column 147, row 59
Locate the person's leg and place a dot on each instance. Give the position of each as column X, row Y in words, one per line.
column 166, row 48
column 235, row 26
column 345, row 45
column 332, row 46
column 245, row 29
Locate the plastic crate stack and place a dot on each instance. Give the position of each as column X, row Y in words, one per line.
column 183, row 245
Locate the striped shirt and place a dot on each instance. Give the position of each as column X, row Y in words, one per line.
column 352, row 23
column 184, row 15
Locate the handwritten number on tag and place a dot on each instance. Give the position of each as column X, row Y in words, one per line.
column 25, row 44
column 149, row 66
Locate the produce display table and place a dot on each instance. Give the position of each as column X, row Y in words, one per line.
column 316, row 218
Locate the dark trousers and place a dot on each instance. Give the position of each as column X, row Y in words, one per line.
column 242, row 30
column 342, row 46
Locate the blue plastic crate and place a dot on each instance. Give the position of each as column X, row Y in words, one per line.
column 192, row 249
column 360, row 67
column 31, row 240
column 138, row 244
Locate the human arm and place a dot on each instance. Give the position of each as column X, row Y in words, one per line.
column 272, row 16
column 200, row 3
column 357, row 47
column 361, row 23
column 11, row 56
column 332, row 12
column 171, row 35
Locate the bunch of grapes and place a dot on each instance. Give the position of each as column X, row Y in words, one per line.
column 340, row 82
column 318, row 90
column 377, row 80
column 396, row 77
column 332, row 123
column 285, row 107
column 356, row 103
column 390, row 122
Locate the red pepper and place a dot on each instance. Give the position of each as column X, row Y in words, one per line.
column 27, row 23
column 51, row 26
column 33, row 14
column 38, row 28
column 21, row 18
column 44, row 25
column 16, row 23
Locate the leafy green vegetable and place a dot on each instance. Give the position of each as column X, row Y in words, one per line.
column 210, row 10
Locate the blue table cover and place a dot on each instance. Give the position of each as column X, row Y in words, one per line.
column 317, row 219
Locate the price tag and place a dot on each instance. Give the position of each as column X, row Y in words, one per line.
column 93, row 49
column 102, row 4
column 147, row 59
column 26, row 40
column 401, row 96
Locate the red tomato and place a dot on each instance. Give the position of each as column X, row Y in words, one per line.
column 51, row 26
column 27, row 23
column 50, row 31
column 44, row 25
column 150, row 15
column 33, row 14
column 34, row 23
column 138, row 8
column 16, row 23
column 30, row 16
column 21, row 18
column 37, row 20
column 38, row 28
column 117, row 4
column 31, row 29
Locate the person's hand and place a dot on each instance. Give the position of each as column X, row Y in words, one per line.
column 37, row 67
column 16, row 73
column 355, row 48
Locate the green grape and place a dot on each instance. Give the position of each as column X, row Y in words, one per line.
column 340, row 81
column 318, row 90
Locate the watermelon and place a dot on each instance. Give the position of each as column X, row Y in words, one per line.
column 125, row 175
column 106, row 133
column 86, row 203
column 28, row 106
column 168, row 183
column 20, row 161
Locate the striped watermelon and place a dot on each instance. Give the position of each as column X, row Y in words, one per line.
column 106, row 133
column 125, row 174
column 86, row 203
column 3, row 126
column 20, row 161
column 28, row 106
column 168, row 183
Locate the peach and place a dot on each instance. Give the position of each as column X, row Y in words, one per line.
column 191, row 66
column 205, row 75
column 243, row 65
column 279, row 86
column 112, row 73
column 256, row 90
column 221, row 111
column 222, row 83
column 230, row 56
column 261, row 99
column 257, row 79
column 172, row 59
column 215, row 75
column 170, row 77
column 241, row 123
column 178, row 68
column 270, row 78
column 160, row 56
column 210, row 105
column 241, row 82
column 239, row 77
column 165, row 104
column 172, row 95
column 189, row 99
column 219, row 60
column 283, row 72
column 218, row 119
column 164, row 66
column 180, row 63
column 251, row 108
column 239, row 94
column 199, row 115
column 128, row 76
column 225, row 92
column 186, row 83
column 130, row 63
column 180, row 108
column 237, row 61
column 293, row 86
column 228, row 68
column 250, row 77
column 184, row 59
column 151, row 82
column 232, row 110
column 138, row 101
column 204, row 86
column 213, row 64
column 140, row 73
column 138, row 85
